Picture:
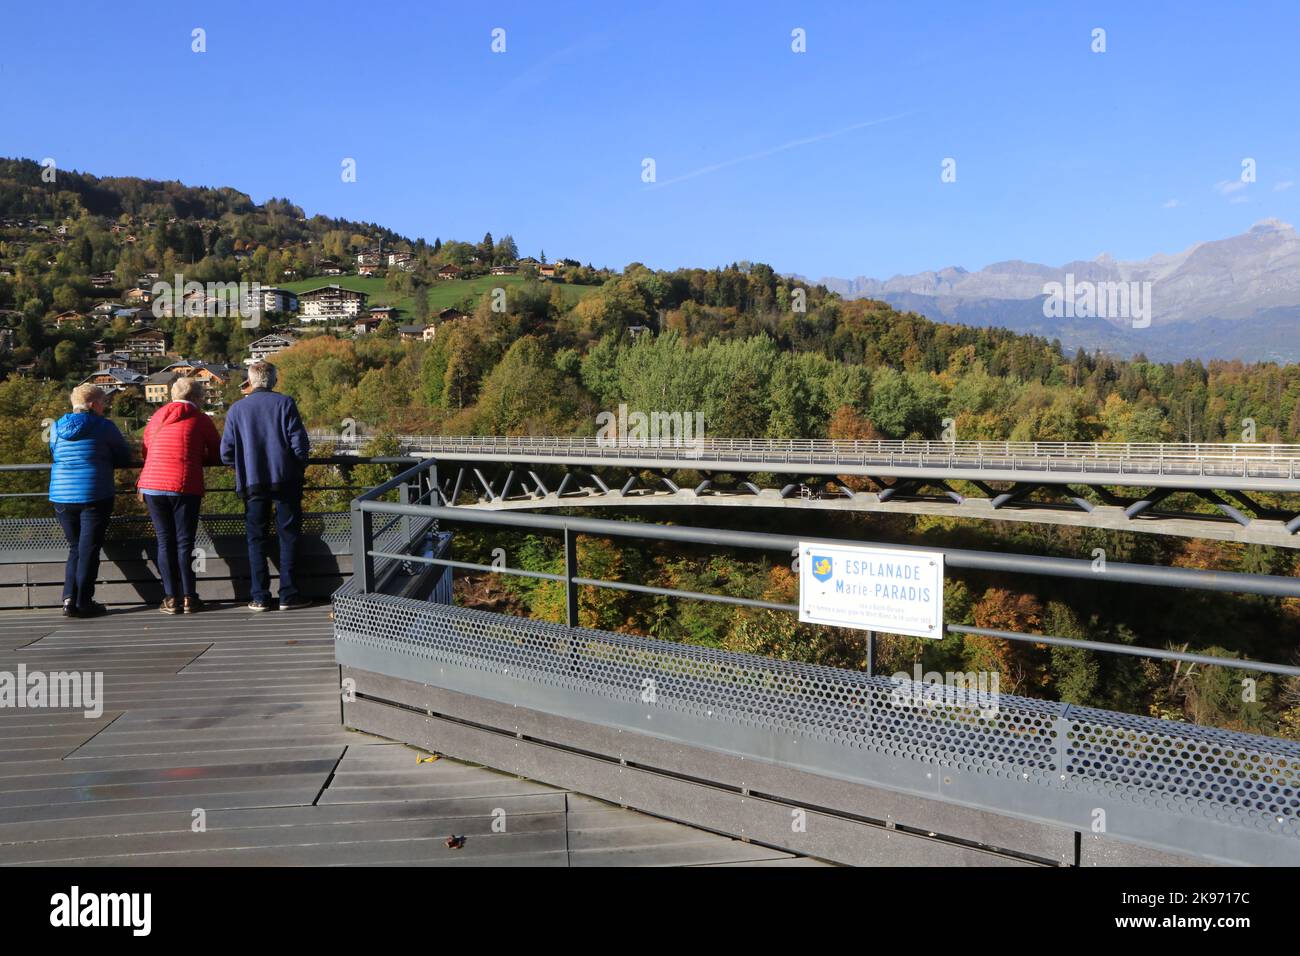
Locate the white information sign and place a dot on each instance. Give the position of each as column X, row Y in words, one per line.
column 874, row 589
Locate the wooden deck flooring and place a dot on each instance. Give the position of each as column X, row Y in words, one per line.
column 236, row 715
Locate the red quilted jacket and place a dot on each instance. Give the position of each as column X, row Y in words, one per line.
column 178, row 441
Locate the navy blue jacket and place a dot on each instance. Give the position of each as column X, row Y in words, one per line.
column 86, row 447
column 267, row 443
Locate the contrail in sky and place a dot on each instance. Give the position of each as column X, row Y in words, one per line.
column 705, row 170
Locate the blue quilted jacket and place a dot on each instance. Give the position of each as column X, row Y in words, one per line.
column 86, row 447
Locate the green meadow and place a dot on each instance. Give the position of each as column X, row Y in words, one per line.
column 443, row 294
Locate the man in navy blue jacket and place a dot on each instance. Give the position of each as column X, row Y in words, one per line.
column 267, row 443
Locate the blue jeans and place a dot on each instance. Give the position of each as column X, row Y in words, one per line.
column 288, row 525
column 84, row 525
column 175, row 520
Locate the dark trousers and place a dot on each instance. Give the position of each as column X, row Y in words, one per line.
column 288, row 526
column 84, row 525
column 175, row 520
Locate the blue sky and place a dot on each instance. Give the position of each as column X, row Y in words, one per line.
column 823, row 163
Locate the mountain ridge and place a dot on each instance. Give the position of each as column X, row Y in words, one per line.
column 1202, row 298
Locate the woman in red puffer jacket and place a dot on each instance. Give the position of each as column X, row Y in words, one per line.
column 178, row 441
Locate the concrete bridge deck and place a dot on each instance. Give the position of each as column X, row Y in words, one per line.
column 237, row 715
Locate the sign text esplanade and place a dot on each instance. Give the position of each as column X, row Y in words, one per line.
column 874, row 589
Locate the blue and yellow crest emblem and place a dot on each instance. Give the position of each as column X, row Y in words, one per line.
column 821, row 567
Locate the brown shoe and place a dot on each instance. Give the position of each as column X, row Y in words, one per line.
column 192, row 604
column 168, row 605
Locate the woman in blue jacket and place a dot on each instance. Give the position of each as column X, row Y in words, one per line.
column 86, row 448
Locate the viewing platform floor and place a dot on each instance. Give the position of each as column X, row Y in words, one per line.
column 220, row 743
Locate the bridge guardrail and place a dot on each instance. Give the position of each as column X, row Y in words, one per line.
column 1086, row 459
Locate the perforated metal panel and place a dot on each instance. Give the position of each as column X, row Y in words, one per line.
column 1175, row 785
column 1241, row 779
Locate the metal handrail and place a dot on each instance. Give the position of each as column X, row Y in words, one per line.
column 342, row 460
column 1086, row 459
column 1235, row 582
column 1154, row 451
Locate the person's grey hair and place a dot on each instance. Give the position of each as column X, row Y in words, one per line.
column 261, row 375
column 186, row 389
column 86, row 397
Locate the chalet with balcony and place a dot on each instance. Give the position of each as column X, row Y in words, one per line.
column 331, row 303
column 113, row 380
column 267, row 346
column 147, row 342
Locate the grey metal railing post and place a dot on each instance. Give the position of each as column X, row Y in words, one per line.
column 363, row 563
column 570, row 572
column 405, row 497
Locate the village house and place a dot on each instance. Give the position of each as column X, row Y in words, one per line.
column 328, row 267
column 269, row 299
column 547, row 271
column 121, row 359
column 450, row 315
column 70, row 319
column 330, row 303
column 401, row 260
column 365, row 325
column 267, row 346
column 138, row 297
column 146, row 342
column 158, row 387
column 113, row 380
column 504, row 270
column 212, row 376
column 368, row 262
column 449, row 271
column 411, row 333
column 105, row 280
